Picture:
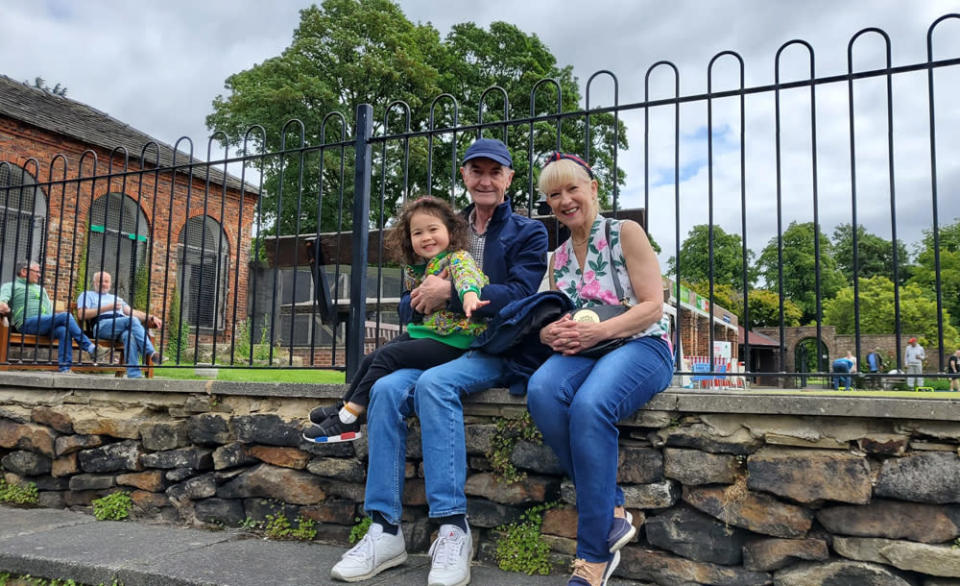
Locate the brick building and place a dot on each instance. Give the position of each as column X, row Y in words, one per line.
column 81, row 191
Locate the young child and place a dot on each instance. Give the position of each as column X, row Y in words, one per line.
column 429, row 239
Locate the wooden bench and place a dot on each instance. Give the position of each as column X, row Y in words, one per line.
column 9, row 338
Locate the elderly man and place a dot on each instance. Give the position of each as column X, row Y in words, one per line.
column 32, row 313
column 113, row 319
column 512, row 251
column 913, row 358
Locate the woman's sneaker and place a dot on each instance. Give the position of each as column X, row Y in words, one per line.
column 332, row 431
column 376, row 552
column 592, row 574
column 621, row 532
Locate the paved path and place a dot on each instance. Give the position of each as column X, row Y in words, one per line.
column 55, row 543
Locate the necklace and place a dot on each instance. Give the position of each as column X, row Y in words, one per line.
column 579, row 242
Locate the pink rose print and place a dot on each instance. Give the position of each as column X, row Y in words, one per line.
column 560, row 258
column 608, row 297
column 589, row 276
column 591, row 290
column 561, row 285
column 602, row 244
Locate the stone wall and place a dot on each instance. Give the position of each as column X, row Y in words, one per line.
column 727, row 488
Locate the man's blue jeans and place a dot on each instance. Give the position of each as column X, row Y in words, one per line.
column 61, row 326
column 576, row 403
column 136, row 344
column 434, row 395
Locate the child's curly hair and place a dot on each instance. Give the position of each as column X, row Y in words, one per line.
column 398, row 240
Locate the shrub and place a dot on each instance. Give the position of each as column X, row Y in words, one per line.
column 521, row 549
column 113, row 507
column 18, row 494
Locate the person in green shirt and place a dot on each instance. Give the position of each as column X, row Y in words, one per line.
column 31, row 312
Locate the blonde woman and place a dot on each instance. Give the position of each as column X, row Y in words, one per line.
column 577, row 401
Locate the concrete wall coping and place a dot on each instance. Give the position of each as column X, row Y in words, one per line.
column 673, row 399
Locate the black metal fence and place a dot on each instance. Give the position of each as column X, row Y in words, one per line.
column 276, row 259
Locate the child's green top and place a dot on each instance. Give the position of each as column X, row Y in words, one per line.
column 447, row 326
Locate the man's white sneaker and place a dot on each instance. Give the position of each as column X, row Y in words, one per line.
column 376, row 552
column 451, row 553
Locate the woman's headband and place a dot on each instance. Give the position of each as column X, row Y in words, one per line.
column 557, row 156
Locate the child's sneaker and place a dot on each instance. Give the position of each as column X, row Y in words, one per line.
column 332, row 431
column 318, row 415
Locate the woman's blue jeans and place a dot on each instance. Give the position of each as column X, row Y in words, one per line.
column 576, row 403
column 61, row 326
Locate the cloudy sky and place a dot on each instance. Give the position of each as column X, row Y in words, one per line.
column 158, row 66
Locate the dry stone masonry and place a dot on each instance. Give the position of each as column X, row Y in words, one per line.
column 728, row 489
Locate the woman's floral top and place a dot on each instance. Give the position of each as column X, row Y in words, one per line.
column 448, row 326
column 595, row 286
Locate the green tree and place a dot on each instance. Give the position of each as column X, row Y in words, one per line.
column 764, row 305
column 349, row 52
column 178, row 341
column 918, row 311
column 925, row 275
column 765, row 309
column 727, row 258
column 799, row 266
column 874, row 254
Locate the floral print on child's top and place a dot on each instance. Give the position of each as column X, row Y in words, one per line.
column 466, row 276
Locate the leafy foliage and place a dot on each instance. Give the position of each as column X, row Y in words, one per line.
column 799, row 268
column 279, row 527
column 501, row 446
column 925, row 275
column 727, row 259
column 521, row 549
column 874, row 254
column 360, row 529
column 178, row 331
column 113, row 507
column 918, row 311
column 18, row 494
column 349, row 52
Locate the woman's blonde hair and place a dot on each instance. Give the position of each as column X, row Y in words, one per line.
column 559, row 172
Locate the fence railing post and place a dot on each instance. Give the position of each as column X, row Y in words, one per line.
column 361, row 228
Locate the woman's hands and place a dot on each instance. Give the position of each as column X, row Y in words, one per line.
column 570, row 337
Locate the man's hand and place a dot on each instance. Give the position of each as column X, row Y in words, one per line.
column 432, row 294
column 154, row 322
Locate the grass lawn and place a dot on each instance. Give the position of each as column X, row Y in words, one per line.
column 272, row 375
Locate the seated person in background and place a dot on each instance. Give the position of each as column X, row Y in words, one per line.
column 429, row 238
column 32, row 313
column 112, row 319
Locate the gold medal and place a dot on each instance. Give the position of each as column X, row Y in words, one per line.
column 586, row 316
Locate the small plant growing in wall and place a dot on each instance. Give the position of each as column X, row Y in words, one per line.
column 360, row 529
column 113, row 507
column 509, row 431
column 18, row 494
column 279, row 527
column 521, row 548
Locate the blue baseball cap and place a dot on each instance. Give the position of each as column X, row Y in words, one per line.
column 489, row 148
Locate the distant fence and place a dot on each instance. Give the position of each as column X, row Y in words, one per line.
column 176, row 232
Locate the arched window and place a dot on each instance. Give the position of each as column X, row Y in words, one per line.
column 203, row 256
column 23, row 218
column 119, row 235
